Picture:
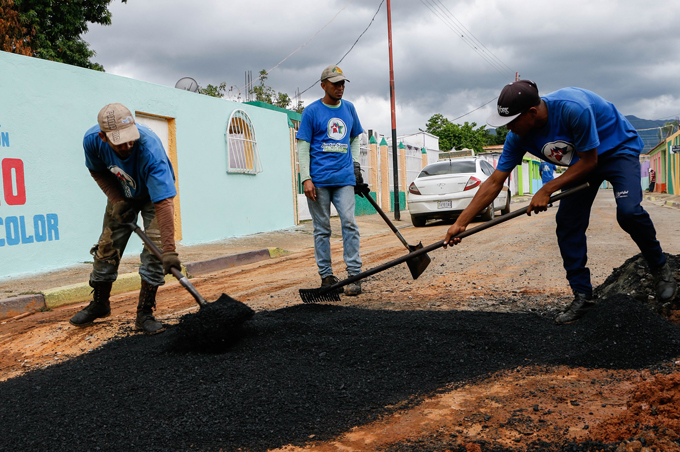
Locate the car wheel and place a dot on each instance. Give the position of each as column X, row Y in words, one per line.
column 418, row 222
column 489, row 214
column 506, row 209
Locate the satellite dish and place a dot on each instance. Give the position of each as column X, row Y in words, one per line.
column 187, row 84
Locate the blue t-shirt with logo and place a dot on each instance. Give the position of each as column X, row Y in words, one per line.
column 328, row 130
column 146, row 173
column 578, row 121
column 547, row 172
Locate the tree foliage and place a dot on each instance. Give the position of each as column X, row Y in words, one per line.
column 456, row 136
column 499, row 138
column 14, row 38
column 214, row 91
column 55, row 28
column 670, row 127
column 262, row 93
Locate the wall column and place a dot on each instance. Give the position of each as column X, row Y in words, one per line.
column 385, row 201
column 373, row 158
column 402, row 173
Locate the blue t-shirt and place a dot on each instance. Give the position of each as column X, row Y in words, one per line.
column 328, row 130
column 146, row 173
column 578, row 120
column 547, row 172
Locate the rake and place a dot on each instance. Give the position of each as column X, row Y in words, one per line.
column 332, row 293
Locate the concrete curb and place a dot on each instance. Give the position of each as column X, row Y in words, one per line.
column 78, row 293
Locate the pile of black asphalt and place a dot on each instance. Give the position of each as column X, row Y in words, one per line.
column 307, row 371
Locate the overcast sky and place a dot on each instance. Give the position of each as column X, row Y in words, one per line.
column 451, row 62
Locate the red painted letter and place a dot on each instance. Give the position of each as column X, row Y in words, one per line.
column 10, row 197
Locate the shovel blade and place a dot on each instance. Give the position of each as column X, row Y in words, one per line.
column 418, row 264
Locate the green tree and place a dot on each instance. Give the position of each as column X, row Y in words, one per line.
column 214, row 91
column 56, row 27
column 499, row 137
column 262, row 92
column 269, row 95
column 670, row 127
column 457, row 136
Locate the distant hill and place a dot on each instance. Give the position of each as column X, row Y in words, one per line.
column 649, row 137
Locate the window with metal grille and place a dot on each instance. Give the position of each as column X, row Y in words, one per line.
column 242, row 153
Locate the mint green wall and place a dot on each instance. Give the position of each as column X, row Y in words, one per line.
column 45, row 109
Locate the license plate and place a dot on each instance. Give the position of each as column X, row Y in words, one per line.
column 444, row 204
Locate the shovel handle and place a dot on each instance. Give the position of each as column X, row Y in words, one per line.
column 439, row 244
column 367, row 195
column 183, row 280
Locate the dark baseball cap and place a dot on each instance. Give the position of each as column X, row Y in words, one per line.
column 516, row 98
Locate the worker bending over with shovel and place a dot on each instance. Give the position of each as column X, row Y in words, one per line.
column 576, row 128
column 328, row 153
column 128, row 162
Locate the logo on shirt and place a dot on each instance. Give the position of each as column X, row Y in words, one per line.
column 559, row 152
column 127, row 183
column 336, row 129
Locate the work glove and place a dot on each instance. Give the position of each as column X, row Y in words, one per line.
column 171, row 259
column 122, row 212
column 360, row 188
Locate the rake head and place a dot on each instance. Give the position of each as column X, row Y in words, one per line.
column 321, row 295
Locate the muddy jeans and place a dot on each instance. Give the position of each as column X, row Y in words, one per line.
column 111, row 246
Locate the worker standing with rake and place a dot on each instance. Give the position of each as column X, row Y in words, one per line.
column 576, row 128
column 130, row 166
column 328, row 153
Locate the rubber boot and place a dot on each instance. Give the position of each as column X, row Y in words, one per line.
column 147, row 303
column 98, row 308
column 665, row 284
column 579, row 307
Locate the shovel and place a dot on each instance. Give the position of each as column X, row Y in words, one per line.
column 417, row 264
column 183, row 280
column 332, row 293
column 215, row 327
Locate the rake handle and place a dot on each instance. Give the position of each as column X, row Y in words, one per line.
column 367, row 195
column 439, row 244
column 183, row 280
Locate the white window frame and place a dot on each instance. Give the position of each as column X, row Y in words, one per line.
column 242, row 152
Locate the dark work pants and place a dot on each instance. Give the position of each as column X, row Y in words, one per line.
column 573, row 216
column 111, row 245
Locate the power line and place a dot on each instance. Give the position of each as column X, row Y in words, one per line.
column 250, row 84
column 491, row 59
column 469, row 112
column 355, row 43
column 474, row 37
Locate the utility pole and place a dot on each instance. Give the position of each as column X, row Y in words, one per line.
column 395, row 154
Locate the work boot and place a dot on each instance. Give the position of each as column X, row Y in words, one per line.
column 353, row 289
column 147, row 303
column 98, row 308
column 329, row 281
column 577, row 309
column 665, row 284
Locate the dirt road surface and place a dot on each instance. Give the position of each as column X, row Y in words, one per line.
column 512, row 268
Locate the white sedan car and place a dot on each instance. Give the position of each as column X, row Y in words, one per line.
column 444, row 189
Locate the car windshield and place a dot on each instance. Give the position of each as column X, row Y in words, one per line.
column 448, row 167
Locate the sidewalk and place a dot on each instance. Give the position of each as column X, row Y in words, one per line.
column 21, row 296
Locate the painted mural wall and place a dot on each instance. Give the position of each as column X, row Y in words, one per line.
column 51, row 209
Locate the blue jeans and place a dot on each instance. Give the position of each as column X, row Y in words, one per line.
column 343, row 200
column 111, row 246
column 573, row 216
